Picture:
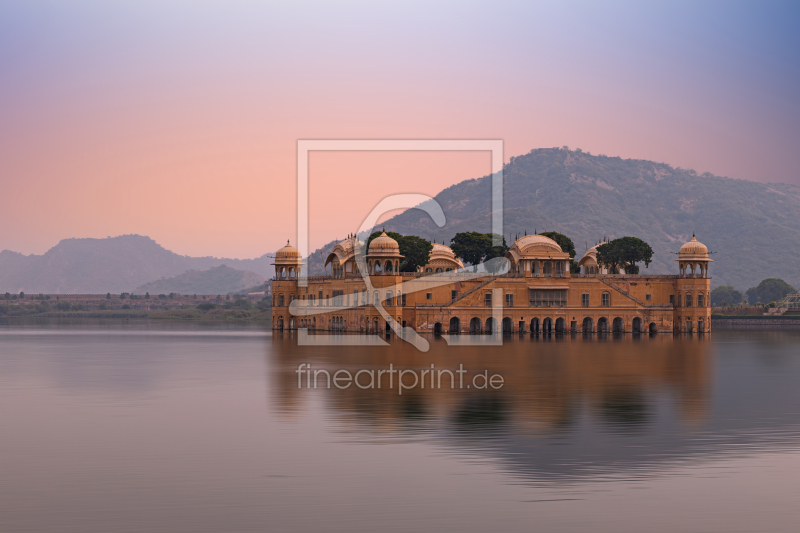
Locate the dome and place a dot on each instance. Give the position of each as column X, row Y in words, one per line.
column 535, row 248
column 537, row 243
column 590, row 256
column 343, row 251
column 693, row 250
column 442, row 257
column 288, row 254
column 384, row 245
column 440, row 250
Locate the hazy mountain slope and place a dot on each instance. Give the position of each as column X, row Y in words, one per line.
column 114, row 264
column 754, row 228
column 218, row 280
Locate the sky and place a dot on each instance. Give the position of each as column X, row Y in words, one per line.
column 180, row 120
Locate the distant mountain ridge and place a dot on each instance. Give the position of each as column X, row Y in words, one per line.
column 114, row 264
column 752, row 228
column 217, row 280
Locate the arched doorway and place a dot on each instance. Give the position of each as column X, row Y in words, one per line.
column 491, row 325
column 507, row 325
column 388, row 328
column 437, row 329
column 688, row 326
column 602, row 325
column 535, row 325
column 701, row 326
column 561, row 325
column 475, row 325
column 521, row 326
column 618, row 326
column 636, row 327
column 588, row 325
column 280, row 322
column 653, row 328
column 455, row 325
column 547, row 325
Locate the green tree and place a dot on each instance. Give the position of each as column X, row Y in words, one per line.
column 147, row 296
column 207, row 306
column 21, row 295
column 241, row 303
column 108, row 296
column 471, row 247
column 416, row 252
column 725, row 294
column 770, row 289
column 624, row 252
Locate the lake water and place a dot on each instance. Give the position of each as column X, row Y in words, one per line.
column 150, row 427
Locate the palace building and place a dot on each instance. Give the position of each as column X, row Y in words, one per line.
column 537, row 294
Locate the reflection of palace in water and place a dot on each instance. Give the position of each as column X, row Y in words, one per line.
column 548, row 380
column 537, row 294
column 569, row 404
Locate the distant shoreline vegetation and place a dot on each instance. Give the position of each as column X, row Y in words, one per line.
column 126, row 306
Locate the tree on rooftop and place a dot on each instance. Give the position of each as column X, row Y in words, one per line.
column 624, row 252
column 471, row 247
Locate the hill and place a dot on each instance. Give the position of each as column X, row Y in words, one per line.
column 752, row 228
column 218, row 280
column 114, row 264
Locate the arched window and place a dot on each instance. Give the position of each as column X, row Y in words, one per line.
column 559, row 268
column 376, row 298
column 388, row 266
column 688, row 300
column 438, row 270
column 389, row 298
column 700, row 301
column 280, row 300
column 429, row 269
column 548, row 269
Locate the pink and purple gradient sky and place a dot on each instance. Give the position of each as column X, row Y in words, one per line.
column 179, row 120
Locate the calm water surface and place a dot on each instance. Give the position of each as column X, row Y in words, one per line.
column 141, row 427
